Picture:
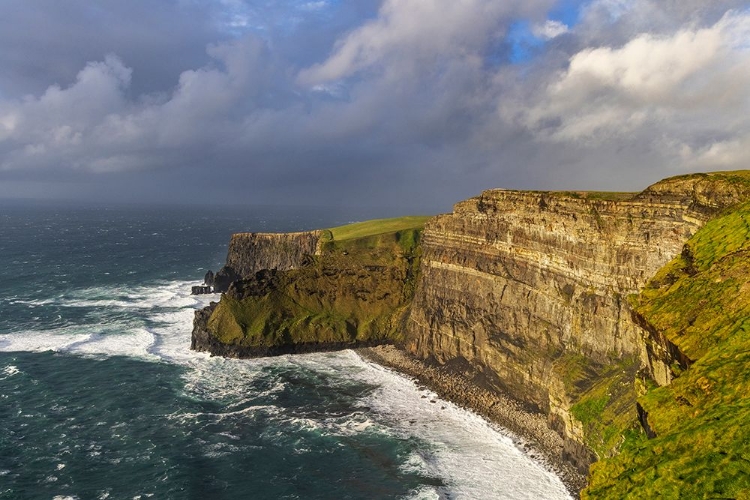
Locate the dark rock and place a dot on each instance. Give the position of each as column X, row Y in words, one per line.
column 643, row 419
column 225, row 277
column 578, row 454
column 209, row 278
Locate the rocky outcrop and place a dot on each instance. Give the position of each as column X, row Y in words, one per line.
column 353, row 292
column 530, row 289
column 252, row 252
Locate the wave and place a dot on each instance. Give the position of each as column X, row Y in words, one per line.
column 149, row 322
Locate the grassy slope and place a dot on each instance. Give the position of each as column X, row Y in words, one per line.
column 701, row 302
column 375, row 227
column 356, row 291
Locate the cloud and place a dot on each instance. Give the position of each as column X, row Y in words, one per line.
column 688, row 87
column 409, row 35
column 59, row 122
column 549, row 30
column 92, row 125
column 388, row 101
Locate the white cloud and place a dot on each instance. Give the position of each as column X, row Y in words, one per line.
column 92, row 125
column 322, row 4
column 410, row 35
column 549, row 29
column 730, row 154
column 689, row 86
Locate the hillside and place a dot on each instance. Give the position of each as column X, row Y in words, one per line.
column 700, row 302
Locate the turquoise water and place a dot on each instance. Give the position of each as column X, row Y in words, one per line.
column 100, row 396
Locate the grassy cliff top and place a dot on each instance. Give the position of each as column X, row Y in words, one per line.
column 741, row 176
column 375, row 227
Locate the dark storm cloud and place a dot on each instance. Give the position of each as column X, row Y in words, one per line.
column 408, row 102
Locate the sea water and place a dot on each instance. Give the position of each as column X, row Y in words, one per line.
column 101, row 397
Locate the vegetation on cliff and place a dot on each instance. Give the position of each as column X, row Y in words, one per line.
column 603, row 398
column 701, row 303
column 354, row 291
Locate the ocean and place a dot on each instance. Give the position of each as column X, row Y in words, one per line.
column 101, row 397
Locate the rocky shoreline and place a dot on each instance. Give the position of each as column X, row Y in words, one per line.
column 530, row 429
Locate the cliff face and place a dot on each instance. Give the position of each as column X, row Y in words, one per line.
column 249, row 253
column 529, row 291
column 599, row 310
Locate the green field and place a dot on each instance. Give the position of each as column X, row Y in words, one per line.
column 376, row 226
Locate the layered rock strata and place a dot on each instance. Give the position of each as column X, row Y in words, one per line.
column 252, row 252
column 528, row 289
column 528, row 294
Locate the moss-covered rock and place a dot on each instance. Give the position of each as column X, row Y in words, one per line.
column 354, row 291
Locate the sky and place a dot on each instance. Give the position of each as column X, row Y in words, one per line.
column 380, row 103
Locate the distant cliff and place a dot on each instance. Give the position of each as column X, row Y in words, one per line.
column 593, row 308
column 313, row 291
column 252, row 252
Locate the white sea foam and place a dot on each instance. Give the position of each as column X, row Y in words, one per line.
column 11, row 370
column 169, row 307
column 474, row 458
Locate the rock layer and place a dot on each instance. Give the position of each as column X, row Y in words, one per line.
column 252, row 252
column 524, row 285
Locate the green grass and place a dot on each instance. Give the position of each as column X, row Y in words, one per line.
column 377, row 226
column 701, row 302
column 725, row 176
column 702, row 297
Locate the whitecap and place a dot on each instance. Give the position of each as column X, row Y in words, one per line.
column 11, row 370
column 475, row 458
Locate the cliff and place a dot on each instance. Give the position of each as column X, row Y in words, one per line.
column 527, row 291
column 696, row 443
column 252, row 252
column 333, row 289
column 620, row 317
